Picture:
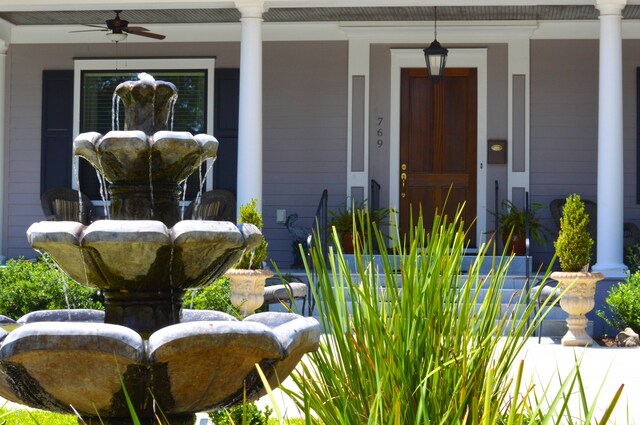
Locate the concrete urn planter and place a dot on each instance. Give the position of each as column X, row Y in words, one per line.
column 577, row 301
column 247, row 289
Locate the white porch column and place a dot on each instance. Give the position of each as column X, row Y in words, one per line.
column 610, row 253
column 250, row 113
column 3, row 203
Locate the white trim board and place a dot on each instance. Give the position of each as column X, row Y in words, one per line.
column 148, row 65
column 457, row 58
column 374, row 32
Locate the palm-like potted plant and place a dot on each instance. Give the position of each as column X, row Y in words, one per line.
column 343, row 221
column 248, row 276
column 576, row 284
column 513, row 226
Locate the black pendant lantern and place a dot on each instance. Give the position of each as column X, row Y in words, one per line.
column 435, row 55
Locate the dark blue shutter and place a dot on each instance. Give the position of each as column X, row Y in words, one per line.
column 226, row 102
column 57, row 129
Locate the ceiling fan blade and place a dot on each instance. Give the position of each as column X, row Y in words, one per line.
column 104, row 29
column 128, row 28
column 145, row 34
column 95, row 26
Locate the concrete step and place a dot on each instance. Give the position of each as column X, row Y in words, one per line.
column 554, row 324
column 517, row 266
column 513, row 287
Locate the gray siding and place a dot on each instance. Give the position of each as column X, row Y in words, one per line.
column 26, row 63
column 631, row 62
column 305, row 134
column 497, row 124
column 304, row 125
column 564, row 124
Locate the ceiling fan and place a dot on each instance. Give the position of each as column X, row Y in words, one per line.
column 119, row 29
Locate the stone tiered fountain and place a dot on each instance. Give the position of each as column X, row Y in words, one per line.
column 163, row 358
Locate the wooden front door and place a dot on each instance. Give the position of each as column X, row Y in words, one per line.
column 438, row 140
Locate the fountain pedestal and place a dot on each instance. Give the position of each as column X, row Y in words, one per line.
column 142, row 202
column 144, row 312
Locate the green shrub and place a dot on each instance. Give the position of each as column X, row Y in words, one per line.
column 252, row 259
column 574, row 243
column 29, row 286
column 216, row 296
column 246, row 414
column 632, row 259
column 623, row 302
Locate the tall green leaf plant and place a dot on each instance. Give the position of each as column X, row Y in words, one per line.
column 414, row 342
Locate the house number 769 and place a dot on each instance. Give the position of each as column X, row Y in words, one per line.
column 379, row 132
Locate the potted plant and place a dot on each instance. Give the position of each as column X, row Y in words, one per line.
column 248, row 276
column 576, row 284
column 512, row 223
column 343, row 220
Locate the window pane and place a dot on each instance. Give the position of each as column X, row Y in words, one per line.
column 96, row 112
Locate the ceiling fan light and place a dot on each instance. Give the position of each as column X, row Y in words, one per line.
column 116, row 36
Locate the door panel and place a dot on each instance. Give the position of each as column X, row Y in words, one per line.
column 438, row 141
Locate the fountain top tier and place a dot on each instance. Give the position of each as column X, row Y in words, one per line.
column 145, row 164
column 148, row 103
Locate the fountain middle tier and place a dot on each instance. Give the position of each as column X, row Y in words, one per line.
column 142, row 266
column 145, row 171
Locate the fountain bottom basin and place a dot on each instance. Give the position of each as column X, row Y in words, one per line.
column 205, row 363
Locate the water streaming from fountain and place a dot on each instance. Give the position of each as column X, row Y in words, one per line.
column 184, row 199
column 202, row 181
column 151, row 181
column 76, row 174
column 144, row 267
column 103, row 194
column 115, row 112
column 253, row 252
column 104, row 190
column 172, row 110
column 193, row 296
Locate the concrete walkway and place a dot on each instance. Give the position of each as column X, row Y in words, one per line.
column 603, row 369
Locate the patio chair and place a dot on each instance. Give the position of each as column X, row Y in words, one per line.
column 281, row 291
column 63, row 204
column 217, row 205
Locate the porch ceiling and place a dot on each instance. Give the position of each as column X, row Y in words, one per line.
column 318, row 14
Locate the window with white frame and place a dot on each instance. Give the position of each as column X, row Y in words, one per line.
column 96, row 80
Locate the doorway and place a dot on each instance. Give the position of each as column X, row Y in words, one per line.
column 475, row 58
column 438, row 152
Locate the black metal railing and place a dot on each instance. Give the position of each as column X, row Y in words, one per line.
column 321, row 221
column 320, row 229
column 374, row 196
